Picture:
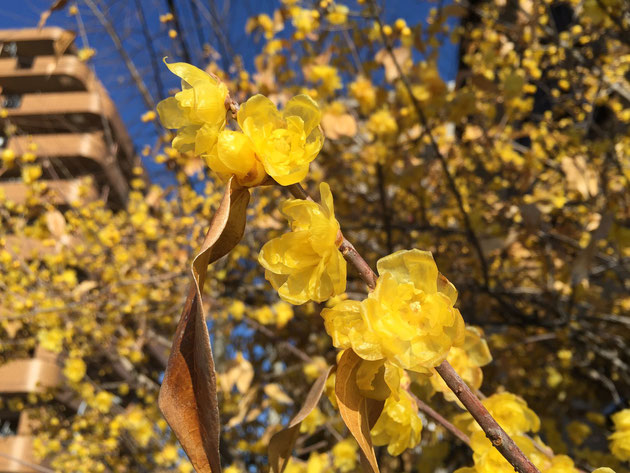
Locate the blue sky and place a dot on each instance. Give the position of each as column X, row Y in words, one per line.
column 112, row 72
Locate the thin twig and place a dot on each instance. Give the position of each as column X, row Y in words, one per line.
column 131, row 67
column 428, row 410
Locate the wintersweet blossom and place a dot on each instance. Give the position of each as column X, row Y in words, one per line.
column 338, row 14
column 197, row 112
column 620, row 439
column 345, row 455
column 509, row 410
column 306, row 264
column 285, row 143
column 408, row 320
column 398, row 426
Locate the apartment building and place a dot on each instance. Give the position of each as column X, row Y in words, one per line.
column 53, row 106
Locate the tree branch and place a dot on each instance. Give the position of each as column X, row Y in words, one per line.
column 499, row 438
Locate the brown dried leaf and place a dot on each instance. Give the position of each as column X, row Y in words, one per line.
column 356, row 411
column 243, row 407
column 56, row 223
column 403, row 57
column 240, row 374
column 281, row 443
column 188, row 396
column 336, row 126
column 275, row 392
column 580, row 177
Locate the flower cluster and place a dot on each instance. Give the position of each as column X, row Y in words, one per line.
column 280, row 145
column 306, row 264
column 408, row 320
column 516, row 418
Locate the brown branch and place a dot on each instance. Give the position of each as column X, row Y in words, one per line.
column 499, row 438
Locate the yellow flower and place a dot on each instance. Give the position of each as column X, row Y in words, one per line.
column 74, row 369
column 148, row 116
column 31, row 173
column 408, row 319
column 382, row 123
column 8, row 157
column 286, row 142
column 140, row 427
column 166, row 18
column 338, row 14
column 304, row 20
column 306, row 263
column 85, row 54
column 169, row 455
column 620, row 439
column 51, row 340
column 489, row 460
column 197, row 111
column 364, row 92
column 312, row 421
column 509, row 410
column 328, row 75
column 318, row 463
column 561, row 464
column 284, row 313
column 233, row 468
column 467, row 362
column 103, row 401
column 316, row 367
column 345, row 455
column 604, row 469
column 399, row 426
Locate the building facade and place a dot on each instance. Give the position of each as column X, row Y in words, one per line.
column 52, row 106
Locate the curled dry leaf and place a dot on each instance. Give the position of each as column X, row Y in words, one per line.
column 188, row 396
column 240, row 374
column 335, row 125
column 275, row 392
column 358, row 412
column 243, row 407
column 281, row 443
column 56, row 223
column 402, row 55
